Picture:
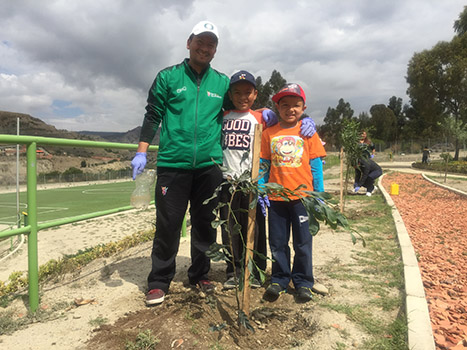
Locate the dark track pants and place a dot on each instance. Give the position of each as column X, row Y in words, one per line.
column 370, row 180
column 174, row 188
column 281, row 216
column 240, row 204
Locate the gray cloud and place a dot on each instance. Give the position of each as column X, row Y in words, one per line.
column 102, row 56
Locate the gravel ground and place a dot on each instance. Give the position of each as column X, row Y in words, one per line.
column 435, row 219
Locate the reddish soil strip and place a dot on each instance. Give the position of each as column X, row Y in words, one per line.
column 436, row 220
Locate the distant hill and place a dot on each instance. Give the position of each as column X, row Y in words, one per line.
column 131, row 136
column 36, row 127
column 32, row 126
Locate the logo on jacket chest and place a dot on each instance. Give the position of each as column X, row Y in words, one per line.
column 213, row 94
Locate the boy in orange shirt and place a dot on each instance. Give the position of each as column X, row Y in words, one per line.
column 290, row 157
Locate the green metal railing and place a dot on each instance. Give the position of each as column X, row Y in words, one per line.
column 32, row 227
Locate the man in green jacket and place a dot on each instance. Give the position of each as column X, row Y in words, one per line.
column 186, row 100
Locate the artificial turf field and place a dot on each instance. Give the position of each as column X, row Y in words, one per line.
column 65, row 202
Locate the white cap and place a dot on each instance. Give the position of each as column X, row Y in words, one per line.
column 205, row 27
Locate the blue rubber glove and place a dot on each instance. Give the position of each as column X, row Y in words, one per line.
column 356, row 189
column 263, row 202
column 138, row 163
column 372, row 155
column 269, row 117
column 308, row 127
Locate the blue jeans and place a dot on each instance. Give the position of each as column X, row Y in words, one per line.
column 283, row 215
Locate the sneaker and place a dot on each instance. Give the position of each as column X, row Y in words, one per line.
column 273, row 292
column 206, row 286
column 368, row 194
column 155, row 296
column 319, row 289
column 231, row 283
column 304, row 294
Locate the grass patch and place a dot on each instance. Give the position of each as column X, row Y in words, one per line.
column 360, row 316
column 98, row 321
column 394, row 338
column 331, row 161
column 144, row 341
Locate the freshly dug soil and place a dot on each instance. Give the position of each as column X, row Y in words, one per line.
column 436, row 220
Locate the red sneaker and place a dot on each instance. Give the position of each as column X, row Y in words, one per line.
column 155, row 296
column 206, row 286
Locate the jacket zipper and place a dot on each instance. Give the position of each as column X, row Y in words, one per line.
column 198, row 82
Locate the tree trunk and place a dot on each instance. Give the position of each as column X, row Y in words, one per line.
column 341, row 155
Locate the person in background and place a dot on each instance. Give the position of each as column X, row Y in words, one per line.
column 186, row 99
column 425, row 154
column 369, row 147
column 289, row 157
column 366, row 172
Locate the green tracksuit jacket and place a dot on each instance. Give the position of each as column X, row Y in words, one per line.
column 190, row 110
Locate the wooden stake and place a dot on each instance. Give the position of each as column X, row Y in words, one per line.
column 250, row 239
column 342, row 181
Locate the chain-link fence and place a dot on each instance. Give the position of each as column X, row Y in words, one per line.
column 82, row 177
column 68, row 177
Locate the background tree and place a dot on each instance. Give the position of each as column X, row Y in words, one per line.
column 349, row 139
column 276, row 82
column 460, row 25
column 332, row 127
column 266, row 91
column 264, row 94
column 437, row 81
column 364, row 120
column 395, row 104
column 384, row 123
column 422, row 79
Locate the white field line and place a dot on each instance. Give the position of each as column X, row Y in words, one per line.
column 40, row 210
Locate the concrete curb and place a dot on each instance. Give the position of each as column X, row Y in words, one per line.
column 444, row 186
column 420, row 333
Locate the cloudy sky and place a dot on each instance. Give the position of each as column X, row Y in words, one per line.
column 87, row 64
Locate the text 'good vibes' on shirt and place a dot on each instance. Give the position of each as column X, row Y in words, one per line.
column 238, row 132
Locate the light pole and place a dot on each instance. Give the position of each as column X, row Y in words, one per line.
column 18, row 216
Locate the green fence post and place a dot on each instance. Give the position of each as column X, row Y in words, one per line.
column 25, row 218
column 33, row 269
column 184, row 226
